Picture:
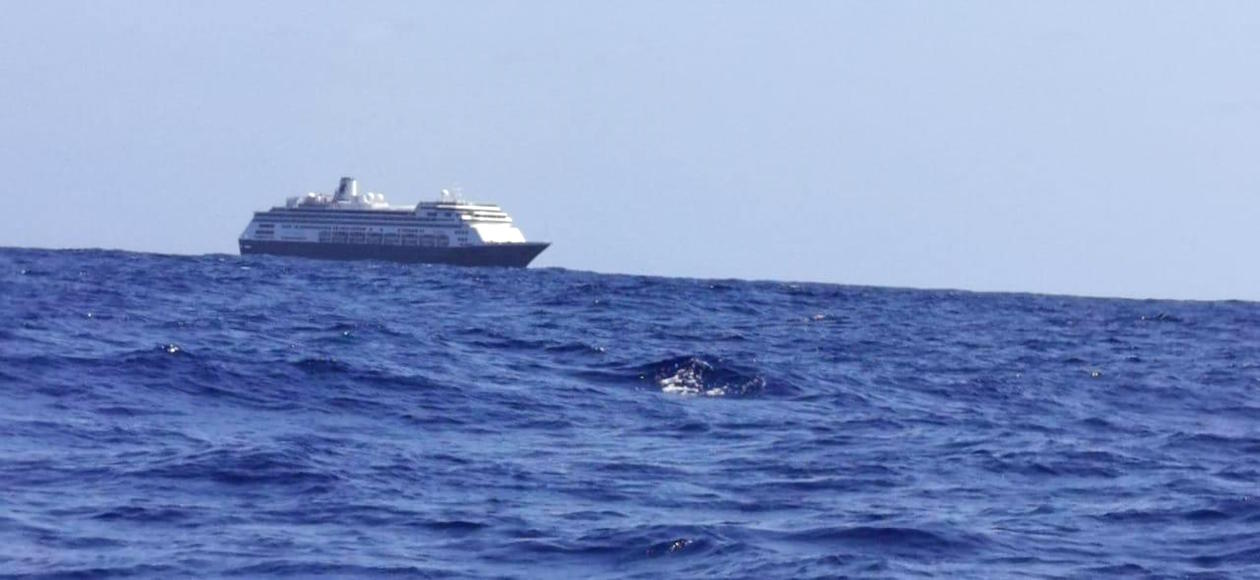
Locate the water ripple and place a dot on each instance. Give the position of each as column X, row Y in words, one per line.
column 170, row 416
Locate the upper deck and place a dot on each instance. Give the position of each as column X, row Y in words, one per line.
column 347, row 201
column 318, row 216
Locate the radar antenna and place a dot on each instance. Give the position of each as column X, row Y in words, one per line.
column 453, row 193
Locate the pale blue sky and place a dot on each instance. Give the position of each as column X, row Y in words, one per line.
column 1106, row 148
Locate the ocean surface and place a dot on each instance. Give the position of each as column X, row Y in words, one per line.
column 213, row 416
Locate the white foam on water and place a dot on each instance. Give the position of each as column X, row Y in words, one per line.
column 688, row 381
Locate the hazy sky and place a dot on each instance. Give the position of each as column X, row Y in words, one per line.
column 1107, row 148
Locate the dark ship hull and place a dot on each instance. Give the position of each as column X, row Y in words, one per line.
column 516, row 255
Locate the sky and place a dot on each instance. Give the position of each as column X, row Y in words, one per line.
column 1095, row 148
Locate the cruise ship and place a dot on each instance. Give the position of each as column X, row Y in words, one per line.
column 349, row 225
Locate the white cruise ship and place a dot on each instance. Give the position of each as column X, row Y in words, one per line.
column 348, row 225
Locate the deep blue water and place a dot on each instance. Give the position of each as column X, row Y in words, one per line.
column 266, row 417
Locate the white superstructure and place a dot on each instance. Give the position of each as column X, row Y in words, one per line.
column 350, row 217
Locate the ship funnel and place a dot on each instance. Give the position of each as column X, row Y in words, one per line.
column 348, row 188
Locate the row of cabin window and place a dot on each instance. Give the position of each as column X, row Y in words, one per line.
column 364, row 229
column 385, row 239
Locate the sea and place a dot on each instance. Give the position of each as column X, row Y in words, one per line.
column 266, row 417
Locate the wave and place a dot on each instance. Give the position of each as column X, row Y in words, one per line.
column 242, row 465
column 896, row 540
column 226, row 416
column 691, row 376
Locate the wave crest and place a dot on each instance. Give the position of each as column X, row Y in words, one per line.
column 694, row 376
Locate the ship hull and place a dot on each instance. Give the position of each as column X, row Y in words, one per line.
column 516, row 255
